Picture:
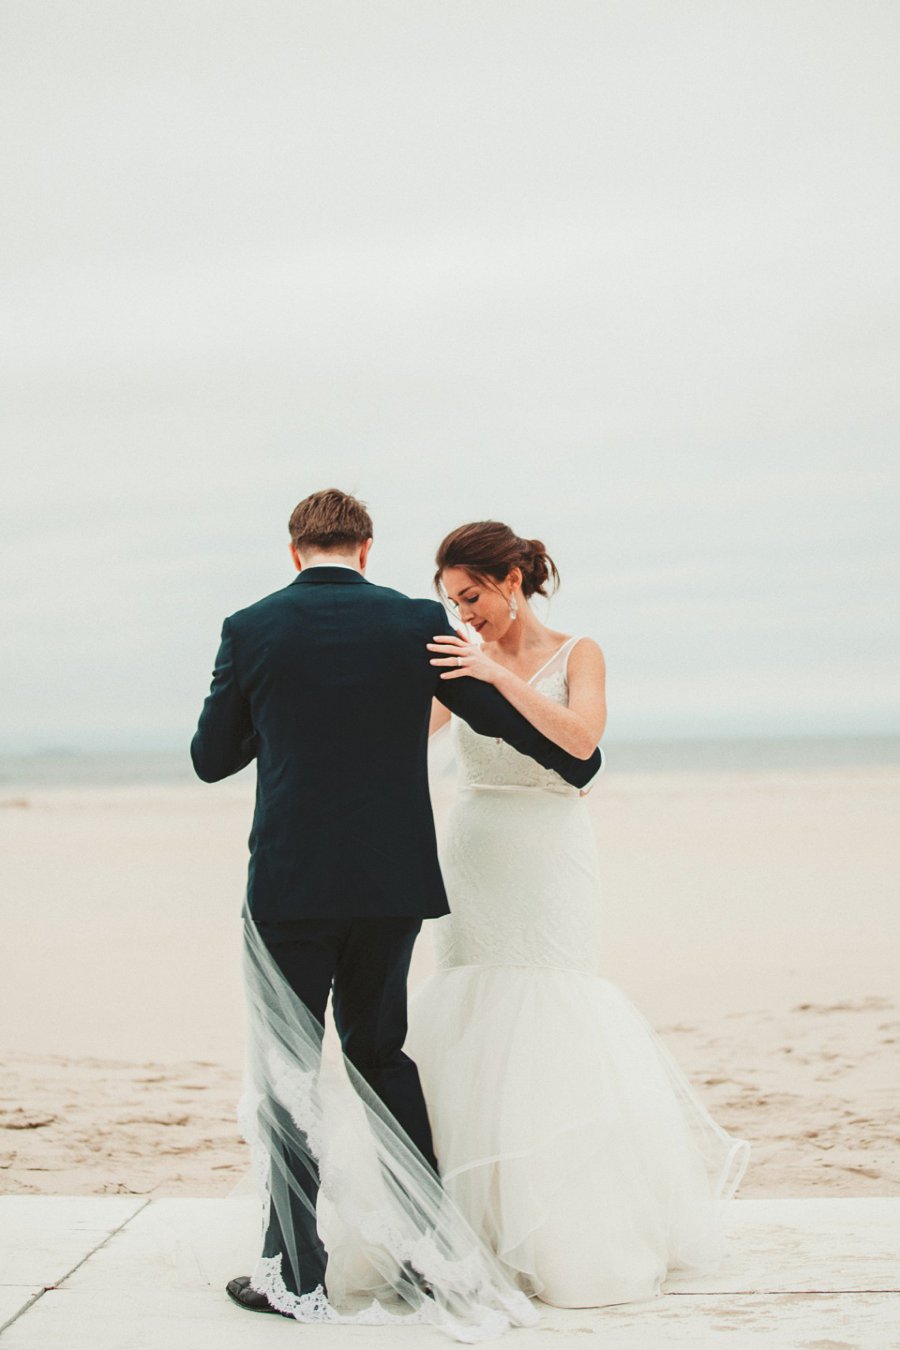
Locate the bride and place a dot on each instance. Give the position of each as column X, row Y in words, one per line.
column 565, row 1132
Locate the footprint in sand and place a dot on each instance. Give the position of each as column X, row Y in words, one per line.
column 161, row 1119
column 874, row 1003
column 20, row 1121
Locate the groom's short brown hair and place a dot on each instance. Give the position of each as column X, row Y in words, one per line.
column 329, row 520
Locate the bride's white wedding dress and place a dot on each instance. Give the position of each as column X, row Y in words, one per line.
column 565, row 1131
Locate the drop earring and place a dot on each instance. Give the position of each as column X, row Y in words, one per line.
column 513, row 605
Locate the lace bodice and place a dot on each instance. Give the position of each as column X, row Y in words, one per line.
column 518, row 856
column 486, row 762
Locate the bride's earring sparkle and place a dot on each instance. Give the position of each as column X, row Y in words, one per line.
column 513, row 605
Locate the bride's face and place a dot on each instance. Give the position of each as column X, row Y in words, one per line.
column 483, row 605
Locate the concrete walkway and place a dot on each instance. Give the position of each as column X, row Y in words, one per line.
column 121, row 1273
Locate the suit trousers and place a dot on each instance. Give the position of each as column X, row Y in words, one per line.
column 364, row 963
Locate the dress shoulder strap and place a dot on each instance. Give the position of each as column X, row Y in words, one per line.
column 559, row 661
column 566, row 650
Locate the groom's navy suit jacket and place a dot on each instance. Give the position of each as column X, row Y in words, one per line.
column 328, row 683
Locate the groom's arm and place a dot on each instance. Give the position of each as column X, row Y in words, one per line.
column 488, row 713
column 224, row 741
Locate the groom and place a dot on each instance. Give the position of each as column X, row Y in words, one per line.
column 327, row 683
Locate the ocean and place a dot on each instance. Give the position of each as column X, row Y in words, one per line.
column 72, row 769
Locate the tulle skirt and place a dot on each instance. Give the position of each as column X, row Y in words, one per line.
column 564, row 1129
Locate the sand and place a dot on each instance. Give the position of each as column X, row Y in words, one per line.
column 752, row 917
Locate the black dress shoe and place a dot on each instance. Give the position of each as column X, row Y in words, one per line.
column 239, row 1290
column 416, row 1279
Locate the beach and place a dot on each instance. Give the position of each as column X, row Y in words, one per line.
column 751, row 915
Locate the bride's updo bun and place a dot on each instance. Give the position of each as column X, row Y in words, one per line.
column 488, row 549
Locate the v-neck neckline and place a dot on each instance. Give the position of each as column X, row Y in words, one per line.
column 540, row 670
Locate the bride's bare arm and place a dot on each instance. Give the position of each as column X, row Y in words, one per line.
column 576, row 728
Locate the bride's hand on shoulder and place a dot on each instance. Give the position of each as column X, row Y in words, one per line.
column 462, row 657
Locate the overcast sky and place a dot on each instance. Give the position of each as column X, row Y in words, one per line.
column 624, row 275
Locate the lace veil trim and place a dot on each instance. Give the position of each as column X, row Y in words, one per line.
column 399, row 1250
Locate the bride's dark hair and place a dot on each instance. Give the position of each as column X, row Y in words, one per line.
column 488, row 549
